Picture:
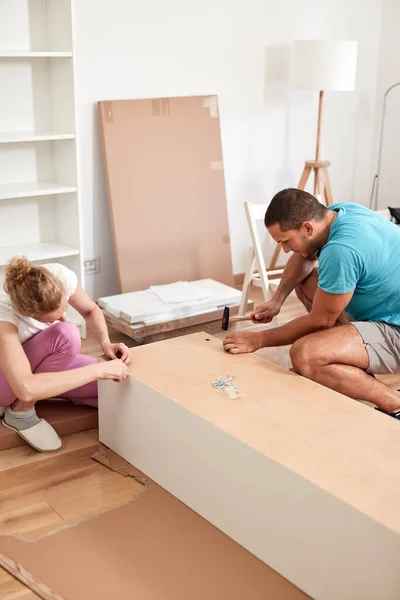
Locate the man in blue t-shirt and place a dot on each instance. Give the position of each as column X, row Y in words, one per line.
column 352, row 329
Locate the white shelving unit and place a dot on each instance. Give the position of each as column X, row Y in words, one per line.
column 39, row 196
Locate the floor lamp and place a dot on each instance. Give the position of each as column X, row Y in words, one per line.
column 321, row 65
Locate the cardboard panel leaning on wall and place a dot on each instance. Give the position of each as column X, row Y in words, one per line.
column 166, row 189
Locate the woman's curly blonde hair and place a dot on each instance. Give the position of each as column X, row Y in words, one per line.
column 33, row 289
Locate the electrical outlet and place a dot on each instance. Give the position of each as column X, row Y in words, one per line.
column 91, row 265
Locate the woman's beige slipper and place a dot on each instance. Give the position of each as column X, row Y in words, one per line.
column 42, row 437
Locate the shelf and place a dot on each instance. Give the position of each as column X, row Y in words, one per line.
column 36, row 252
column 13, row 137
column 34, row 188
column 27, row 54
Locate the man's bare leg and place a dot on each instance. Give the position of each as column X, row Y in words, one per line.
column 337, row 358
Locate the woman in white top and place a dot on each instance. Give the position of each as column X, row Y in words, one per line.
column 39, row 350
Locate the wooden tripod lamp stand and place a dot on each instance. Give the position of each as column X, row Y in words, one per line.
column 323, row 65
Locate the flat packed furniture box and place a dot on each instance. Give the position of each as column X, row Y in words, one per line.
column 304, row 478
column 143, row 316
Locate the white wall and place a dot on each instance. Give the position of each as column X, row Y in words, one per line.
column 389, row 74
column 239, row 50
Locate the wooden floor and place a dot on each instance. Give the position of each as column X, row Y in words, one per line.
column 40, row 492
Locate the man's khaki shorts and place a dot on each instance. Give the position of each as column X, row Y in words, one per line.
column 382, row 342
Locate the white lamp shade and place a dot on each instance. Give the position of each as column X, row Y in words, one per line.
column 325, row 65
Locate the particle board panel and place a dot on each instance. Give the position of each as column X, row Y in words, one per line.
column 317, row 472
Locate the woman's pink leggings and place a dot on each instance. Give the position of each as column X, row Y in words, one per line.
column 53, row 350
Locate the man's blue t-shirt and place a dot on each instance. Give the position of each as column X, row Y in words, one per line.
column 363, row 254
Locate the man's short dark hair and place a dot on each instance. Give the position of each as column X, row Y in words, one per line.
column 290, row 208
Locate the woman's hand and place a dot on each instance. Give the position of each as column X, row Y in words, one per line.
column 113, row 369
column 120, row 351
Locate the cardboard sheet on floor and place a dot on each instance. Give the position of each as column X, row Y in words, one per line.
column 152, row 548
column 166, row 189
